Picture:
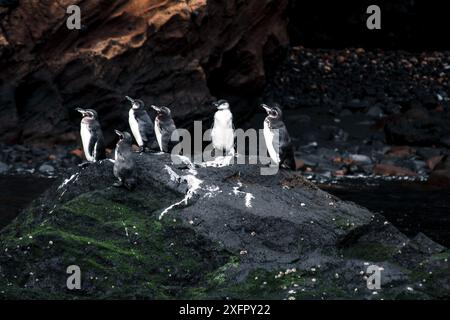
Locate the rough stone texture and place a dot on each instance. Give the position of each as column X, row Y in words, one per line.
column 238, row 235
column 163, row 51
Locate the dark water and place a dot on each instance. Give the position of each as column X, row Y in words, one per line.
column 410, row 206
column 16, row 192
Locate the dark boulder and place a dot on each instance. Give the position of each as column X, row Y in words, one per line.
column 204, row 232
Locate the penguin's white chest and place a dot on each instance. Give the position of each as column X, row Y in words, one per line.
column 135, row 128
column 222, row 133
column 158, row 133
column 86, row 137
column 270, row 137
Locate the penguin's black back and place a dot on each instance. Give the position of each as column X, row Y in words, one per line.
column 167, row 126
column 125, row 165
column 145, row 124
column 97, row 143
column 285, row 147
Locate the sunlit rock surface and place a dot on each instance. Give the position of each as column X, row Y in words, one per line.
column 185, row 52
column 196, row 231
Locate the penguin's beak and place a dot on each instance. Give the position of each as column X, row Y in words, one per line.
column 129, row 99
column 215, row 104
column 156, row 108
column 119, row 133
column 266, row 107
column 80, row 110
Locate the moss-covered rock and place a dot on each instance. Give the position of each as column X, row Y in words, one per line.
column 195, row 233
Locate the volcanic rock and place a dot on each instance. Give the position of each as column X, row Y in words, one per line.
column 391, row 170
column 193, row 231
column 164, row 52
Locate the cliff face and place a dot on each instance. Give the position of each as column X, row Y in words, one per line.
column 180, row 52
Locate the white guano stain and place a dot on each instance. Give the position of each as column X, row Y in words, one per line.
column 193, row 186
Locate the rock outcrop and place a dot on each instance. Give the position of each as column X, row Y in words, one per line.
column 163, row 51
column 205, row 232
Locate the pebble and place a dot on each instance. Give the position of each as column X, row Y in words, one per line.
column 46, row 168
column 3, row 167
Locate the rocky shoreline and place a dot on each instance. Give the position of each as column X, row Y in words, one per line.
column 350, row 112
column 366, row 113
column 40, row 160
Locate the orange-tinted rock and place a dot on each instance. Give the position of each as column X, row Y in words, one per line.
column 390, row 170
column 440, row 178
column 434, row 161
column 337, row 159
column 400, row 152
column 162, row 51
column 77, row 152
column 299, row 164
column 340, row 173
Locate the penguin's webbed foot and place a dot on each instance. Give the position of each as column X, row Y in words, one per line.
column 84, row 164
column 148, row 150
column 118, row 184
column 140, row 150
column 130, row 184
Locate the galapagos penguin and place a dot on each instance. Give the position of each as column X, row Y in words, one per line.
column 125, row 164
column 141, row 125
column 278, row 141
column 165, row 129
column 91, row 135
column 222, row 133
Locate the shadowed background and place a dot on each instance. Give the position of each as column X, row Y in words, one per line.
column 183, row 52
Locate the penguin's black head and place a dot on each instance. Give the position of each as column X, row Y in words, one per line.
column 221, row 105
column 124, row 136
column 162, row 111
column 88, row 113
column 135, row 104
column 273, row 112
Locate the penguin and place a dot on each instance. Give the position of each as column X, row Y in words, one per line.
column 91, row 135
column 125, row 164
column 165, row 129
column 281, row 150
column 141, row 125
column 222, row 133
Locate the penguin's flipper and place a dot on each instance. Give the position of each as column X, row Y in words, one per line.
column 96, row 147
column 118, row 183
column 146, row 130
column 140, row 150
column 169, row 137
column 288, row 159
column 94, row 150
column 91, row 148
column 99, row 150
column 130, row 183
column 127, row 175
column 154, row 146
column 84, row 164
